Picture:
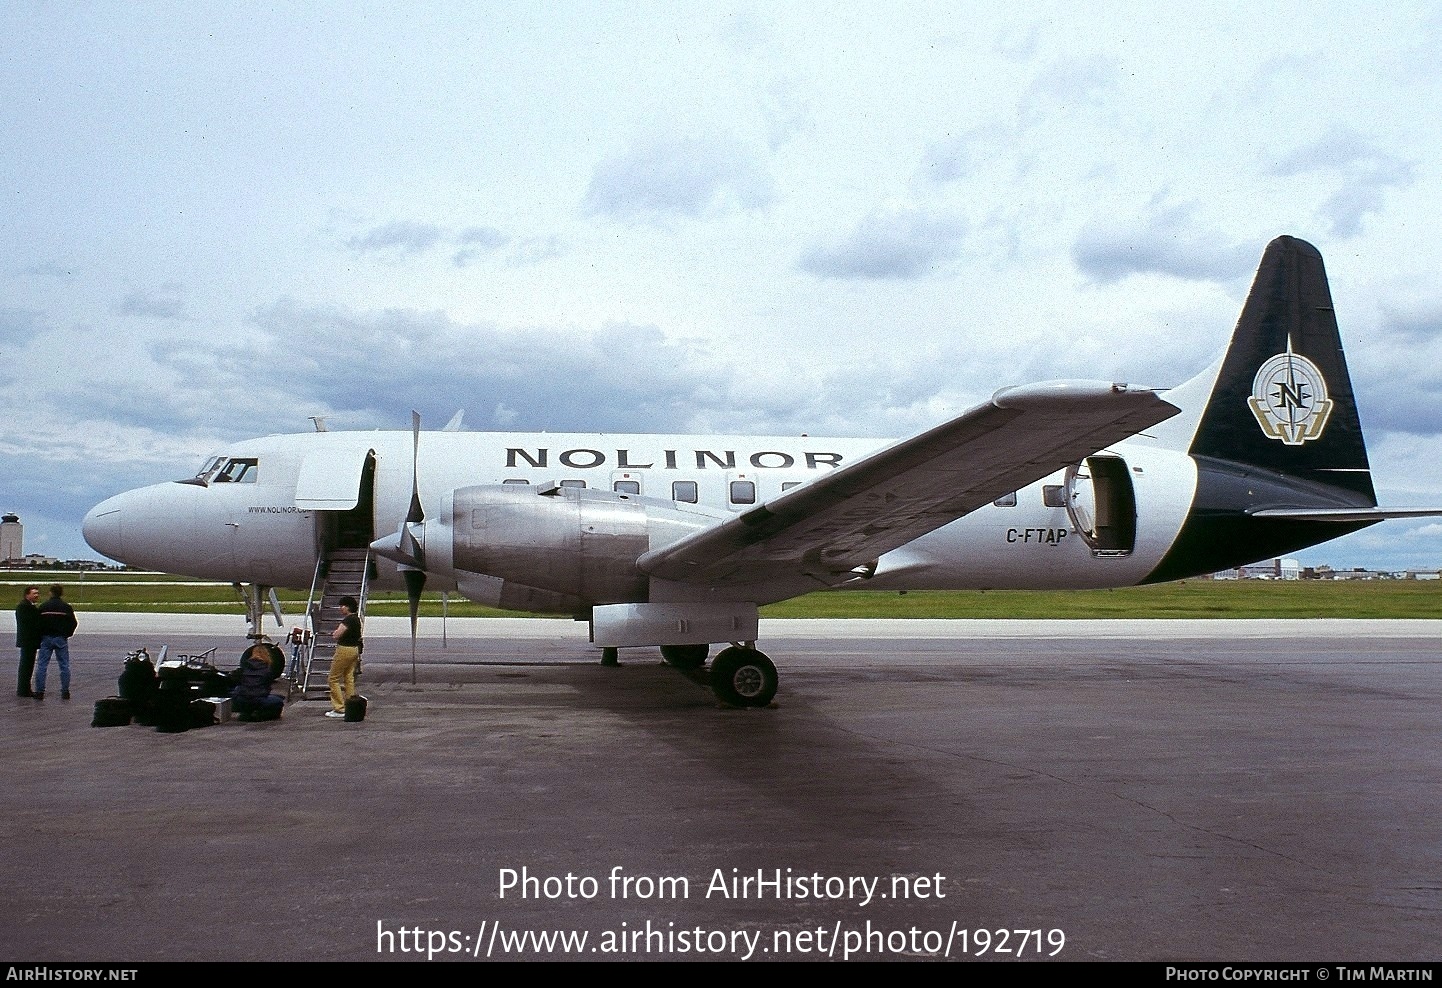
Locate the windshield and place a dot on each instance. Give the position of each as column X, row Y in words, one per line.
column 237, row 470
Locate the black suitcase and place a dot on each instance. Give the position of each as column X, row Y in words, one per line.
column 355, row 708
column 171, row 710
column 112, row 711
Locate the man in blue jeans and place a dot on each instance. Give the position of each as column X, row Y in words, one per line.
column 57, row 624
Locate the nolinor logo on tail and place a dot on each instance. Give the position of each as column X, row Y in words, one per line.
column 1289, row 398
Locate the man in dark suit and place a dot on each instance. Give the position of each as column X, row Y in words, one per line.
column 27, row 638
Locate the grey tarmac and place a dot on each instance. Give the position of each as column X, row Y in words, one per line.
column 1155, row 790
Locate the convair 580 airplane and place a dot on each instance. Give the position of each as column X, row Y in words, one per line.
column 675, row 540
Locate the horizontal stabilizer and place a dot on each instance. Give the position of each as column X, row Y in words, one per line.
column 1345, row 514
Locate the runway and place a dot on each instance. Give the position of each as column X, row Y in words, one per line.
column 1175, row 791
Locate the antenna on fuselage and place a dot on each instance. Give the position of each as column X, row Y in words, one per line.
column 319, row 421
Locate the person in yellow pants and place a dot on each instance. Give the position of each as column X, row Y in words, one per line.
column 347, row 637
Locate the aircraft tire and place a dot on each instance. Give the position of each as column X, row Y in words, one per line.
column 685, row 656
column 743, row 677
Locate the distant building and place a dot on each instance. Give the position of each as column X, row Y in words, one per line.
column 12, row 539
column 1277, row 569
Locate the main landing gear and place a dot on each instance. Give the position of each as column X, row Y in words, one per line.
column 743, row 676
column 740, row 675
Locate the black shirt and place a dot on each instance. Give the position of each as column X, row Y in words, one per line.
column 350, row 631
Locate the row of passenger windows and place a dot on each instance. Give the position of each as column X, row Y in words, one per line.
column 1052, row 495
column 744, row 491
column 686, row 491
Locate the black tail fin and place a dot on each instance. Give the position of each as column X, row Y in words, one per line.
column 1278, row 445
column 1283, row 399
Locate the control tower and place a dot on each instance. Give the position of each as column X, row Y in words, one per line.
column 12, row 539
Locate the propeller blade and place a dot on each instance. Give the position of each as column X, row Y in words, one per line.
column 417, row 513
column 413, row 568
column 415, row 583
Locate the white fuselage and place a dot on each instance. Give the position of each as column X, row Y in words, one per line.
column 269, row 527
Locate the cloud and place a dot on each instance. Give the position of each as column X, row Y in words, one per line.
column 1415, row 322
column 1067, row 85
column 1398, row 375
column 481, row 243
column 19, row 326
column 477, row 242
column 51, row 269
column 532, row 250
column 400, row 237
column 665, row 177
column 165, row 303
column 470, row 245
column 900, row 244
column 1165, row 240
column 1365, row 172
column 369, row 369
column 962, row 156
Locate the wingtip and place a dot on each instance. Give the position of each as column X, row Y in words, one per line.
column 1068, row 392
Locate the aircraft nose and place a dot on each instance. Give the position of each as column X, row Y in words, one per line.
column 101, row 527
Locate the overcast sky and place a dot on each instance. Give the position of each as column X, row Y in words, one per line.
column 858, row 219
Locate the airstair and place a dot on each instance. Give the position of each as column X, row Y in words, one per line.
column 339, row 573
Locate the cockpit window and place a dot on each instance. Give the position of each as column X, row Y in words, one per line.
column 237, row 470
column 211, row 464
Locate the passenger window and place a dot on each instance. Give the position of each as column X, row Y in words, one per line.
column 786, row 485
column 684, row 490
column 743, row 492
column 1006, row 500
column 573, row 483
column 1053, row 496
column 627, row 487
column 514, row 481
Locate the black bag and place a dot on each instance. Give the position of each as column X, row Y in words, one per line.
column 171, row 710
column 112, row 711
column 137, row 683
column 202, row 713
column 355, row 708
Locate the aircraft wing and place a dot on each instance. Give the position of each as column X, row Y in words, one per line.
column 826, row 528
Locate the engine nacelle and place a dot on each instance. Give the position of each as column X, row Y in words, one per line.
column 574, row 541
